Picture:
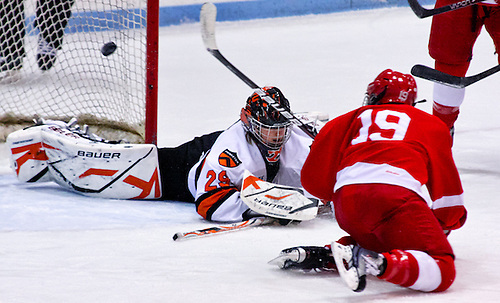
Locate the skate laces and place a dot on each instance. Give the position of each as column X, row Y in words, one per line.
column 373, row 261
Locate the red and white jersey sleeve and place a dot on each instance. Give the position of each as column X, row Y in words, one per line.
column 390, row 144
column 216, row 180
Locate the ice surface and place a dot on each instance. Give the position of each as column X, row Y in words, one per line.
column 56, row 246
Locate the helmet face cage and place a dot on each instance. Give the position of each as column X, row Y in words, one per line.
column 271, row 136
column 265, row 122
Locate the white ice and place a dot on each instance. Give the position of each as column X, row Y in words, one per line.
column 56, row 246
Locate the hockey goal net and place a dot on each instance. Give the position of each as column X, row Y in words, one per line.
column 53, row 65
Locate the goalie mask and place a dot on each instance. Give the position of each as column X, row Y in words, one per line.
column 264, row 122
column 391, row 87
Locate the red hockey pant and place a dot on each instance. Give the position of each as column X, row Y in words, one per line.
column 453, row 35
column 383, row 218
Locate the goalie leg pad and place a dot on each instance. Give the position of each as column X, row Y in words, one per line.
column 120, row 171
column 27, row 154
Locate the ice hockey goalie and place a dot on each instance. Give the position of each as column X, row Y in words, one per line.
column 207, row 170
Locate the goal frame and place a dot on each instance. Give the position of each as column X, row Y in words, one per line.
column 140, row 126
column 151, row 85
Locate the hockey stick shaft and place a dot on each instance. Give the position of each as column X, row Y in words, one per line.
column 431, row 74
column 422, row 12
column 216, row 230
column 216, row 53
column 208, row 15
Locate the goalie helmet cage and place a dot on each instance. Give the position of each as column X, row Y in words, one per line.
column 115, row 94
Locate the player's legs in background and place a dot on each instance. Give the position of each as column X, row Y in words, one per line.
column 492, row 25
column 12, row 31
column 451, row 42
column 51, row 19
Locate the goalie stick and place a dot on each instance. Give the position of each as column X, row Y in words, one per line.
column 215, row 230
column 422, row 12
column 208, row 16
column 431, row 74
column 274, row 201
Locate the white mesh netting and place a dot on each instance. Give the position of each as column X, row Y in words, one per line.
column 108, row 91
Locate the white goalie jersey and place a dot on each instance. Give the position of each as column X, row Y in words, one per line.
column 216, row 181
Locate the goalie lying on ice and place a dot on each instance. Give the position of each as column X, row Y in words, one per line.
column 208, row 170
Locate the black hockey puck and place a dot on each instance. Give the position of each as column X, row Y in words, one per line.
column 108, row 48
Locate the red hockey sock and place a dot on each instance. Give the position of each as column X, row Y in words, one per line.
column 402, row 268
column 448, row 114
column 447, row 266
column 458, row 70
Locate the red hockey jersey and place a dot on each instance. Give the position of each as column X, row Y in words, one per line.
column 391, row 144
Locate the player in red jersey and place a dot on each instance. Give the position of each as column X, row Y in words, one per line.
column 451, row 41
column 374, row 163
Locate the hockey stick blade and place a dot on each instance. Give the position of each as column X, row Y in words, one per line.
column 431, row 74
column 216, row 230
column 208, row 16
column 422, row 12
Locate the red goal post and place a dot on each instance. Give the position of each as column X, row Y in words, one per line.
column 52, row 65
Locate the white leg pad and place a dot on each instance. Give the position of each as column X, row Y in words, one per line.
column 28, row 158
column 121, row 171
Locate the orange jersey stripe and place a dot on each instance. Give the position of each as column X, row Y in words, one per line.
column 207, row 203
